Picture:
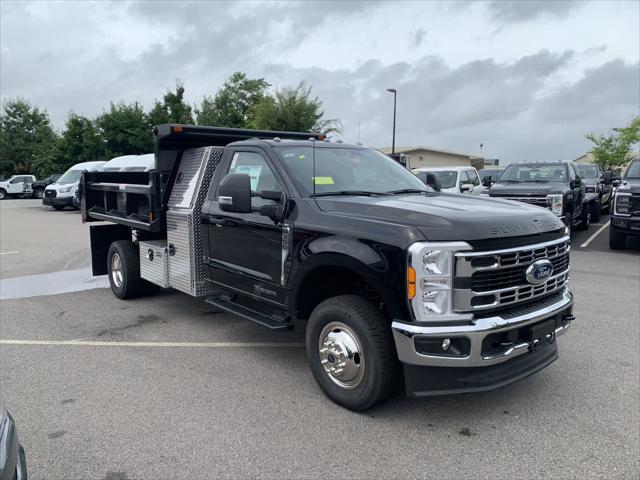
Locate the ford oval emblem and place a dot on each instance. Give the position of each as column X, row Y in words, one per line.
column 539, row 272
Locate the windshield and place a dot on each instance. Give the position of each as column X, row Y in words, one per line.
column 588, row 171
column 555, row 173
column 346, row 170
column 70, row 176
column 633, row 171
column 494, row 173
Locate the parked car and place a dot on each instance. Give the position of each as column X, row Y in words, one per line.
column 130, row 163
column 17, row 186
column 556, row 186
column 599, row 182
column 39, row 185
column 13, row 465
column 455, row 179
column 60, row 194
column 396, row 283
column 625, row 217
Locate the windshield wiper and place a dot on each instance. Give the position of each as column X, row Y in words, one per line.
column 347, row 192
column 407, row 190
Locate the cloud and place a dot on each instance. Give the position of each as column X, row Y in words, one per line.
column 527, row 102
column 517, row 11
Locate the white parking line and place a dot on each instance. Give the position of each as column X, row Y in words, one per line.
column 88, row 343
column 10, row 253
column 592, row 237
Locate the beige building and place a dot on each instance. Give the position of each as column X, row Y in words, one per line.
column 586, row 158
column 434, row 157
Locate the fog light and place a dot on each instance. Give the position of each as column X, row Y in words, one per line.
column 445, row 344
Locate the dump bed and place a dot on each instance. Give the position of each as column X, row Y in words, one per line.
column 140, row 199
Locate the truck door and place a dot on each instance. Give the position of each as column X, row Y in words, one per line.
column 245, row 249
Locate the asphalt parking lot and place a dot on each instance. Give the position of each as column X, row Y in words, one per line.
column 164, row 387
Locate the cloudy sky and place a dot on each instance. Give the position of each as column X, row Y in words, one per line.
column 525, row 78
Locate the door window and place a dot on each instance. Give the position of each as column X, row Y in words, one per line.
column 260, row 173
column 473, row 177
column 464, row 178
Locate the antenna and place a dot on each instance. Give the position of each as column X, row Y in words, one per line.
column 313, row 157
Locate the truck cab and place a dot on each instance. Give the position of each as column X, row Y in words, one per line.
column 391, row 279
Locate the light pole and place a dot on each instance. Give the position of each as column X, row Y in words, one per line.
column 393, row 140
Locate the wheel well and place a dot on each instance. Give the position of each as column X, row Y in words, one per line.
column 330, row 281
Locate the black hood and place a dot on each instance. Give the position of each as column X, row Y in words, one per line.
column 630, row 186
column 444, row 216
column 526, row 189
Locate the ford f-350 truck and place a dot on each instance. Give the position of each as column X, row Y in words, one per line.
column 394, row 280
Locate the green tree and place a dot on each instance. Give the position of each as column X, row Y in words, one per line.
column 125, row 130
column 615, row 150
column 172, row 109
column 233, row 104
column 26, row 137
column 80, row 142
column 293, row 109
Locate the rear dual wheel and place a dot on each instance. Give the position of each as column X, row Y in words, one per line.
column 123, row 266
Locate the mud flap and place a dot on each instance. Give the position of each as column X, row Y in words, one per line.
column 102, row 236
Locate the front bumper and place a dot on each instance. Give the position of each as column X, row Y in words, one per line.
column 555, row 314
column 626, row 225
column 59, row 201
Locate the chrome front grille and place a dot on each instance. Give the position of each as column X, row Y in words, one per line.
column 485, row 280
column 539, row 201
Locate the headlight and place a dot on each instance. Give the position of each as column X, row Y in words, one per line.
column 623, row 202
column 66, row 189
column 555, row 204
column 430, row 280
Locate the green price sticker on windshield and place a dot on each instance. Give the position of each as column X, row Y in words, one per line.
column 323, row 180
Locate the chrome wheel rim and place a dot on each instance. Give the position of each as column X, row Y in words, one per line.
column 341, row 355
column 39, row 194
column 116, row 270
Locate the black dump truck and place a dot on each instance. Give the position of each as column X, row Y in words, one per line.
column 556, row 186
column 395, row 283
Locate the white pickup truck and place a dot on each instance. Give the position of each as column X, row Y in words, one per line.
column 17, row 185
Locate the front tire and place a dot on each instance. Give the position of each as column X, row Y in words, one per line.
column 596, row 207
column 585, row 217
column 38, row 193
column 351, row 352
column 617, row 240
column 3, row 194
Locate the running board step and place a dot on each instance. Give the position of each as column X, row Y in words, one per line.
column 225, row 303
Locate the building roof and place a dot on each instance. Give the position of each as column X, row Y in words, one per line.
column 408, row 150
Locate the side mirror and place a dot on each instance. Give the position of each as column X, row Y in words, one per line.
column 606, row 178
column 486, row 181
column 432, row 180
column 466, row 187
column 234, row 193
column 616, row 183
column 576, row 183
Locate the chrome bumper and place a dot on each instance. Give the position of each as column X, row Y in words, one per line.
column 405, row 335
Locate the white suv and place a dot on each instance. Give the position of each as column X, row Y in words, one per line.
column 455, row 179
